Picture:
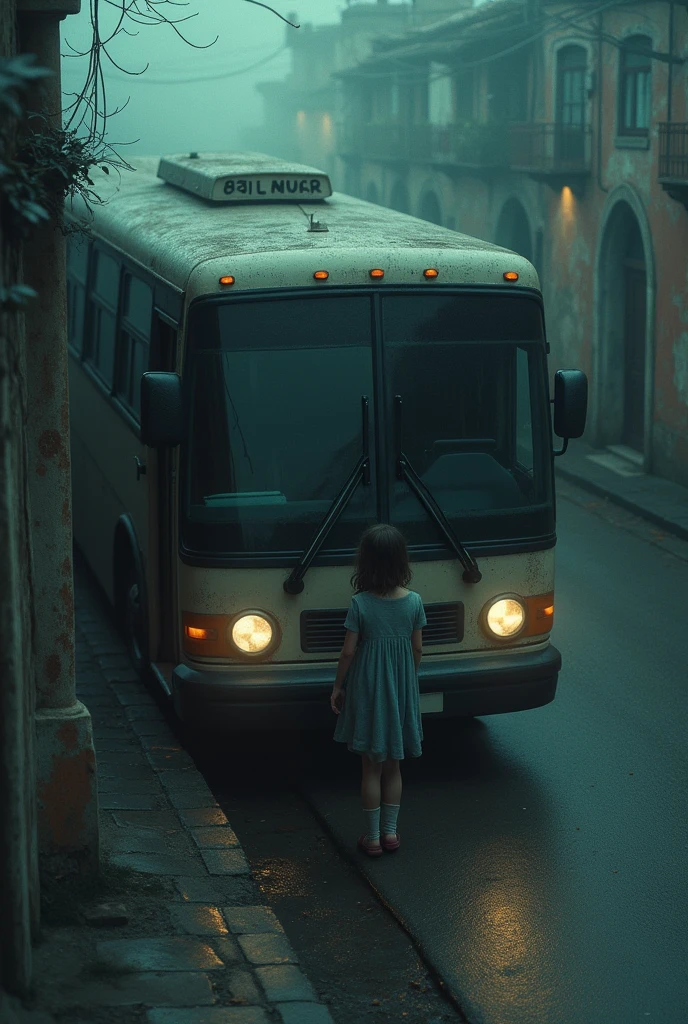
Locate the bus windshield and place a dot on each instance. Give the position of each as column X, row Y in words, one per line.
column 275, row 423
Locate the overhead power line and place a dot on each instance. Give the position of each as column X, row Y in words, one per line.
column 216, row 77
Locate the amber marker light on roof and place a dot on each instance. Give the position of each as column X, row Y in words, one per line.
column 430, row 272
column 377, row 273
column 511, row 275
column 195, row 633
column 321, row 275
column 227, row 279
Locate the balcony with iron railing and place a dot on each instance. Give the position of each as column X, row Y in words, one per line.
column 558, row 154
column 387, row 141
column 673, row 160
column 469, row 146
column 452, row 146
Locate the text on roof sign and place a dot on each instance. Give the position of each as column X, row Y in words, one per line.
column 261, row 186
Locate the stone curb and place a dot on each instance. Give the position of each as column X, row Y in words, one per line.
column 148, row 783
column 659, row 501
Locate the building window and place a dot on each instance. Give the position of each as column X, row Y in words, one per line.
column 134, row 341
column 463, row 96
column 634, row 86
column 571, row 66
column 77, row 274
column 395, row 99
column 440, row 95
column 100, row 344
column 569, row 137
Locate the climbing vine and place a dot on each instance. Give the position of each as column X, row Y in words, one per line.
column 43, row 162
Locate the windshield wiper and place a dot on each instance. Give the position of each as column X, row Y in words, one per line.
column 405, row 471
column 359, row 474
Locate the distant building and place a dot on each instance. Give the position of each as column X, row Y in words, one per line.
column 560, row 132
column 300, row 111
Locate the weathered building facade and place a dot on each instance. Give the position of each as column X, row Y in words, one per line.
column 560, row 132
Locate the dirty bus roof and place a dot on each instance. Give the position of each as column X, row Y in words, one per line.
column 172, row 233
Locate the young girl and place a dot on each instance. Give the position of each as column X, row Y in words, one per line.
column 379, row 714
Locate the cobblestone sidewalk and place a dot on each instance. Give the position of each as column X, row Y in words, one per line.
column 217, row 955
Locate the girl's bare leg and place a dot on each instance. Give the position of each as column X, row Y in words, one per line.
column 370, row 783
column 390, row 785
column 370, row 797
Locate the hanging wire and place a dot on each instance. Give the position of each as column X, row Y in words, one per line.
column 416, row 75
column 88, row 114
column 218, row 76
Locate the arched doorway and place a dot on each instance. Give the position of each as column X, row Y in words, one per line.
column 622, row 335
column 399, row 198
column 372, row 192
column 429, row 208
column 635, row 313
column 513, row 229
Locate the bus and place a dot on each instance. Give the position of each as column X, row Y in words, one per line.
column 261, row 368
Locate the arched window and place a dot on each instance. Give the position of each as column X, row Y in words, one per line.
column 513, row 229
column 634, row 86
column 372, row 194
column 399, row 199
column 430, row 208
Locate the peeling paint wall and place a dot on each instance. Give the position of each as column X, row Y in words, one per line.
column 575, row 217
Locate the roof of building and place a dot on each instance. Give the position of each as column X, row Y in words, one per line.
column 171, row 232
column 440, row 38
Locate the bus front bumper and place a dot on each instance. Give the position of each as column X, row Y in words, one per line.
column 298, row 696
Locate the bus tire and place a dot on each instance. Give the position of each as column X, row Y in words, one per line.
column 131, row 607
column 136, row 624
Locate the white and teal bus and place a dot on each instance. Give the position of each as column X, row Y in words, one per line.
column 261, row 368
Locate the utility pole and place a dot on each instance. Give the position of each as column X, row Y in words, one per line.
column 66, row 785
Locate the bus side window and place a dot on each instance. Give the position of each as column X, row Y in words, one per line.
column 134, row 341
column 100, row 344
column 77, row 275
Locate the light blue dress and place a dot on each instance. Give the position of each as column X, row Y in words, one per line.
column 381, row 714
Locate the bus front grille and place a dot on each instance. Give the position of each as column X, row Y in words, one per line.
column 322, row 631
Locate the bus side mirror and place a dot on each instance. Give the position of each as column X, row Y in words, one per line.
column 570, row 403
column 161, row 410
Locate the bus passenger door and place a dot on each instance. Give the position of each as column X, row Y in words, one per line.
column 162, row 601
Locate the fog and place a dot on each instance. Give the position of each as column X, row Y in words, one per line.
column 189, row 98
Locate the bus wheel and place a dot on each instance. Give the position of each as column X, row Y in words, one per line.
column 136, row 626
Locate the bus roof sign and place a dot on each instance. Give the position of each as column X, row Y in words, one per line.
column 244, row 177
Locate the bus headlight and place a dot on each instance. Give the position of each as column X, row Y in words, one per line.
column 254, row 633
column 505, row 617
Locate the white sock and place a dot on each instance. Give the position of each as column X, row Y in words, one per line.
column 373, row 820
column 390, row 813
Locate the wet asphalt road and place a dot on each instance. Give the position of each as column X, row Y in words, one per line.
column 542, row 872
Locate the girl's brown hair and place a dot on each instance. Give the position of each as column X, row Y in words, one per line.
column 381, row 560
